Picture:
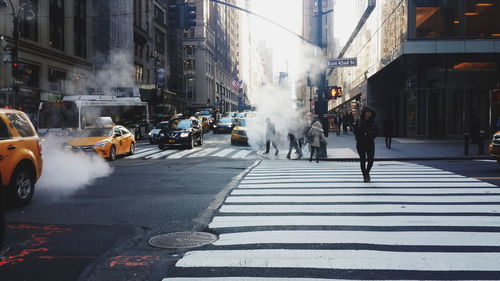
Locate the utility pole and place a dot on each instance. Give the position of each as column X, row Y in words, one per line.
column 321, row 106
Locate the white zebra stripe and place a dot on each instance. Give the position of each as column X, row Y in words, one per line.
column 393, row 221
column 362, row 199
column 342, row 259
column 340, row 191
column 343, row 175
column 161, row 154
column 395, row 238
column 358, row 179
column 349, row 208
column 242, row 154
column 371, row 184
column 143, row 154
column 224, row 152
column 183, row 153
column 203, row 152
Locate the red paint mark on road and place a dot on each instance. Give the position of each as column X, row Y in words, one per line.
column 38, row 239
column 20, row 257
column 133, row 261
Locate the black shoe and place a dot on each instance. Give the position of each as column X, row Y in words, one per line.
column 288, row 156
column 267, row 152
column 365, row 179
column 276, row 153
column 369, row 179
column 310, row 160
column 300, row 156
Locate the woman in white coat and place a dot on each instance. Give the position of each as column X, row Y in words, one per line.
column 317, row 137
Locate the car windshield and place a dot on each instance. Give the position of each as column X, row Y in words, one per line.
column 241, row 115
column 241, row 122
column 179, row 124
column 161, row 126
column 205, row 112
column 226, row 120
column 95, row 132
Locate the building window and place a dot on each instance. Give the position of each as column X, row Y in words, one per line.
column 482, row 19
column 189, row 64
column 80, row 26
column 189, row 32
column 29, row 29
column 56, row 80
column 138, row 13
column 159, row 15
column 139, row 73
column 147, row 53
column 189, row 50
column 160, row 42
column 457, row 18
column 56, row 24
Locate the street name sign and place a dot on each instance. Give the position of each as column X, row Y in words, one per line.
column 343, row 62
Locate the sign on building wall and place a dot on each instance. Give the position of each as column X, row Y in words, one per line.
column 343, row 62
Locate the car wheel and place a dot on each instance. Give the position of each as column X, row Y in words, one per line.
column 191, row 143
column 22, row 185
column 132, row 149
column 200, row 141
column 112, row 153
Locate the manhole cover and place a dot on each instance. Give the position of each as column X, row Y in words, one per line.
column 177, row 240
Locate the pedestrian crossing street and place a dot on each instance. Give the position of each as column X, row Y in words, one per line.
column 302, row 221
column 148, row 153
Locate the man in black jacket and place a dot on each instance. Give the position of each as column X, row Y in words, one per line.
column 365, row 131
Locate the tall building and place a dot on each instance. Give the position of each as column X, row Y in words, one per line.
column 53, row 53
column 212, row 56
column 432, row 66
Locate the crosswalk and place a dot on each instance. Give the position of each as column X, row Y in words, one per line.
column 150, row 153
column 301, row 221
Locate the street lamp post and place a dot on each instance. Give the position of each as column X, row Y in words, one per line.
column 24, row 12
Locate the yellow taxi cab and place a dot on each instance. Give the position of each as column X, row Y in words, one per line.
column 239, row 132
column 107, row 141
column 20, row 156
column 494, row 147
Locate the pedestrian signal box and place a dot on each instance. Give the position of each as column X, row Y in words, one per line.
column 335, row 92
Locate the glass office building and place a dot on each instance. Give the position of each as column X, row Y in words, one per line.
column 432, row 65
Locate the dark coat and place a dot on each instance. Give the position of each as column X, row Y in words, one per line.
column 365, row 131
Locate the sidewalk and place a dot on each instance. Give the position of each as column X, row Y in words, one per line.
column 343, row 147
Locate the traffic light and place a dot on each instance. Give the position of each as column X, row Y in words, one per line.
column 174, row 16
column 189, row 15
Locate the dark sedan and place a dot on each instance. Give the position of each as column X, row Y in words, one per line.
column 225, row 125
column 184, row 132
column 154, row 133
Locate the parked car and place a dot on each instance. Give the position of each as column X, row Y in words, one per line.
column 494, row 147
column 181, row 132
column 155, row 132
column 20, row 156
column 239, row 133
column 106, row 141
column 225, row 125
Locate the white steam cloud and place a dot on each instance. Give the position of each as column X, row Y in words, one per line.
column 116, row 71
column 279, row 103
column 65, row 172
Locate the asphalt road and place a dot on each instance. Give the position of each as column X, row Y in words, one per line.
column 101, row 231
